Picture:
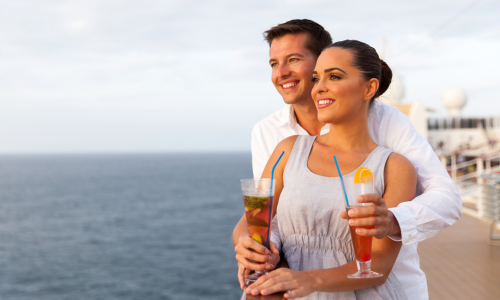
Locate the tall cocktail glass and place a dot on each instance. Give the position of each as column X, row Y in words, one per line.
column 257, row 198
column 362, row 244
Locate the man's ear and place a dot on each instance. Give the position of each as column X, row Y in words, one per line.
column 371, row 88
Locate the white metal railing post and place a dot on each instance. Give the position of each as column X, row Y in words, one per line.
column 443, row 160
column 479, row 172
column 479, row 167
column 488, row 165
column 454, row 167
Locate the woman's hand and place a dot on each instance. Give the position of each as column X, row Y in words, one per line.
column 296, row 284
column 246, row 257
column 384, row 222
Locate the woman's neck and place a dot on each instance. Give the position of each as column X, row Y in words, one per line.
column 351, row 135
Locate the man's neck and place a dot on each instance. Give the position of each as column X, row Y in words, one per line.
column 307, row 117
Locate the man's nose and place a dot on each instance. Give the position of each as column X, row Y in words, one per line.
column 283, row 70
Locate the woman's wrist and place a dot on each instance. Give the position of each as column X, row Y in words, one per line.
column 276, row 261
column 318, row 282
column 236, row 237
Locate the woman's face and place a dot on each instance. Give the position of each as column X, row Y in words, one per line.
column 340, row 91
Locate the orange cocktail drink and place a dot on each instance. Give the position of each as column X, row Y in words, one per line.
column 362, row 244
column 364, row 183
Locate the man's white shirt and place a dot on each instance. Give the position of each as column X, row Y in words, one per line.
column 437, row 206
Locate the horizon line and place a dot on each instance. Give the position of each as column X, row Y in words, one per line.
column 124, row 152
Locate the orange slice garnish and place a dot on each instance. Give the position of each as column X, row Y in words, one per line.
column 256, row 237
column 362, row 175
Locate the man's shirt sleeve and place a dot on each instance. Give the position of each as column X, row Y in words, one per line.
column 439, row 204
column 259, row 151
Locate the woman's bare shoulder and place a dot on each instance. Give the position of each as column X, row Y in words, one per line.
column 287, row 143
column 399, row 165
column 286, row 146
column 400, row 179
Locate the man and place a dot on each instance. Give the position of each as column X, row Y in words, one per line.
column 294, row 48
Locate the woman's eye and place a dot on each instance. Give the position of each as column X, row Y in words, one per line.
column 333, row 77
column 315, row 79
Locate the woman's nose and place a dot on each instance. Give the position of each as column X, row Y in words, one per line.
column 320, row 87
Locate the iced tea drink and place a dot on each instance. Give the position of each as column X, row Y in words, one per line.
column 257, row 198
column 257, row 211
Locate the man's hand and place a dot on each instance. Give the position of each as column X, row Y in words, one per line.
column 247, row 258
column 377, row 215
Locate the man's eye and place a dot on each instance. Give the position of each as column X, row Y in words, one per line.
column 293, row 59
column 273, row 64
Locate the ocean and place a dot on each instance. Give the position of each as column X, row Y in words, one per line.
column 135, row 226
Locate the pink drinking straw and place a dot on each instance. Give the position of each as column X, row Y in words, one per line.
column 272, row 198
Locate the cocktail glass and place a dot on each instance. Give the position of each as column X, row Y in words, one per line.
column 362, row 244
column 257, row 197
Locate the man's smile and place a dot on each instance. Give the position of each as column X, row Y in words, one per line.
column 289, row 84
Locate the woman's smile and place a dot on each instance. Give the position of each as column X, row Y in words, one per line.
column 325, row 102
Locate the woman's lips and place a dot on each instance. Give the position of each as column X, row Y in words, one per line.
column 325, row 102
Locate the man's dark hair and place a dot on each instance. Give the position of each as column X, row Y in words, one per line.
column 318, row 38
column 367, row 61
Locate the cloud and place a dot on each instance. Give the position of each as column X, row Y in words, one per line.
column 91, row 71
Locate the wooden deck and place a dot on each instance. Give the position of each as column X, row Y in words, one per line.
column 458, row 262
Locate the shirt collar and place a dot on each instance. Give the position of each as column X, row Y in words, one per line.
column 287, row 116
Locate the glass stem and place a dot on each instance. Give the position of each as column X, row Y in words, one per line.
column 364, row 266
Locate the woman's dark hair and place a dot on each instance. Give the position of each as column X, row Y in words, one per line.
column 367, row 61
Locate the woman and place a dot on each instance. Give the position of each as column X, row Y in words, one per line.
column 348, row 76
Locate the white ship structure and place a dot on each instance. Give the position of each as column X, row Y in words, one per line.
column 468, row 147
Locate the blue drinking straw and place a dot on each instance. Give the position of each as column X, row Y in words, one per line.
column 342, row 180
column 272, row 198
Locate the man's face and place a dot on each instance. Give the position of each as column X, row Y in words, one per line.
column 292, row 64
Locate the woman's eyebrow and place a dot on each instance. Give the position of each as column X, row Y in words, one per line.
column 331, row 69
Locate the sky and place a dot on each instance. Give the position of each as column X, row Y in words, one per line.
column 100, row 76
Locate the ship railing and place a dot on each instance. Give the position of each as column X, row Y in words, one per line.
column 490, row 195
column 471, row 184
column 482, row 165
